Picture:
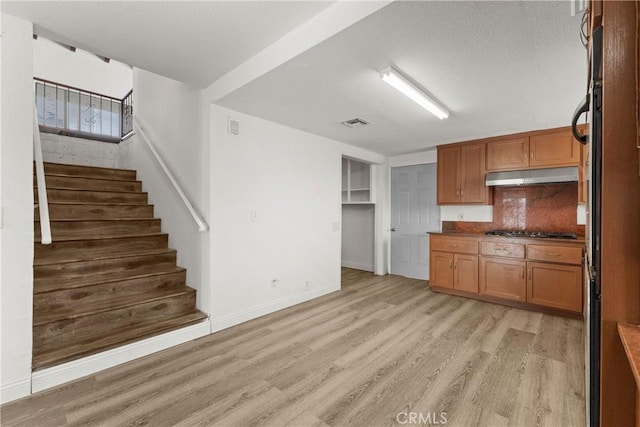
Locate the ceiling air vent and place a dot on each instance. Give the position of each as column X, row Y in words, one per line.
column 355, row 123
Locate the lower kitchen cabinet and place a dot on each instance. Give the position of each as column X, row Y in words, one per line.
column 441, row 269
column 555, row 285
column 503, row 278
column 454, row 271
column 465, row 273
column 526, row 273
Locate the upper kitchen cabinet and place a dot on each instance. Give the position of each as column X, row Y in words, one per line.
column 535, row 150
column 461, row 175
column 554, row 149
column 356, row 182
column 508, row 154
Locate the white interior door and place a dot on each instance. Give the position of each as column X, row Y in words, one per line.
column 414, row 212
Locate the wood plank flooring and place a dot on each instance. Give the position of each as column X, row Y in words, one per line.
column 380, row 347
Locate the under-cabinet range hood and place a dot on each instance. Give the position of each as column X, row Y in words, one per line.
column 533, row 176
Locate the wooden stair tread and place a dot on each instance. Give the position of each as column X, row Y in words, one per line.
column 89, row 190
column 114, row 303
column 86, row 167
column 117, row 338
column 42, row 262
column 97, row 178
column 62, row 203
column 87, row 238
column 49, row 285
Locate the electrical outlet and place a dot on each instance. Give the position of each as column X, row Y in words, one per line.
column 274, row 283
column 254, row 215
column 307, row 285
column 460, row 216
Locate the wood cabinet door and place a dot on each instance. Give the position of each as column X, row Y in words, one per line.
column 465, row 273
column 554, row 149
column 473, row 158
column 503, row 278
column 555, row 285
column 441, row 269
column 508, row 155
column 448, row 175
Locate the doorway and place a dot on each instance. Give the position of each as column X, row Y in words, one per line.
column 414, row 213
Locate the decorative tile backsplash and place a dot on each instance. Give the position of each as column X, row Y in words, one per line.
column 547, row 207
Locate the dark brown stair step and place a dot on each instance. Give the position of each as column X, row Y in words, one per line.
column 89, row 171
column 76, row 182
column 97, row 211
column 53, row 284
column 60, row 299
column 116, row 338
column 72, row 270
column 61, row 195
column 87, row 248
column 116, row 302
column 69, row 331
column 73, row 228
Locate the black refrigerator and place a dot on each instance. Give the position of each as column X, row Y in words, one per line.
column 593, row 108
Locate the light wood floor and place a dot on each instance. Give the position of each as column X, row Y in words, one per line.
column 382, row 346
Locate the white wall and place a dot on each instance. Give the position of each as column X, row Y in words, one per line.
column 16, row 199
column 171, row 113
column 291, row 179
column 358, row 223
column 80, row 69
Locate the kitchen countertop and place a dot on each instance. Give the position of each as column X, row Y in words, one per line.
column 510, row 238
column 630, row 337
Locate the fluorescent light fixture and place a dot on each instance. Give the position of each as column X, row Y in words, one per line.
column 402, row 84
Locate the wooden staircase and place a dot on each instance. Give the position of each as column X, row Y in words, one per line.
column 108, row 278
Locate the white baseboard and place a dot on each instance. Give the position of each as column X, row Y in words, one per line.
column 15, row 390
column 233, row 319
column 358, row 265
column 51, row 377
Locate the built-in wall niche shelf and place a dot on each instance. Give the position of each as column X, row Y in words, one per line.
column 356, row 182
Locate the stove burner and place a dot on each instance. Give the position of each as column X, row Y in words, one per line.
column 533, row 234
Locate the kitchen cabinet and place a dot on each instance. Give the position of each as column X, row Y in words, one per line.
column 503, row 278
column 511, row 154
column 461, row 175
column 554, row 150
column 555, row 285
column 453, row 263
column 535, row 150
column 525, row 272
column 502, row 270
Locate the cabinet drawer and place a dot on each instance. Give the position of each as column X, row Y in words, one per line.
column 561, row 254
column 511, row 250
column 454, row 244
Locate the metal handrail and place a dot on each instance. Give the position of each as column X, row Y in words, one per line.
column 43, row 202
column 202, row 225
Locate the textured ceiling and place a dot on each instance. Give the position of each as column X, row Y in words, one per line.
column 500, row 67
column 194, row 42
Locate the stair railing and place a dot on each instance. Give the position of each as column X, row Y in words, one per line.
column 43, row 202
column 139, row 125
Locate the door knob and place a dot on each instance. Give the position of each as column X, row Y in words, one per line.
column 393, row 229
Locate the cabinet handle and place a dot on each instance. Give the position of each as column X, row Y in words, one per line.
column 455, row 266
column 450, row 263
column 453, row 245
column 554, row 253
column 530, row 273
column 533, row 154
column 501, row 250
column 522, row 272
